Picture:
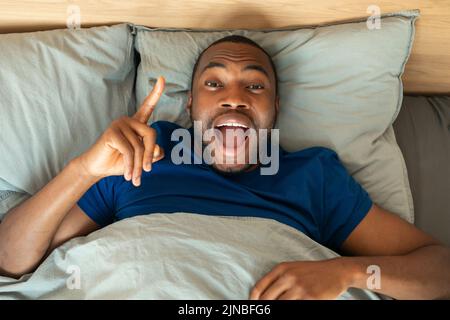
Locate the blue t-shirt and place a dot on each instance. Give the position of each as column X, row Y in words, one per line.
column 311, row 192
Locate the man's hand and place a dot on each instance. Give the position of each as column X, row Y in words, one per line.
column 51, row 216
column 325, row 279
column 127, row 146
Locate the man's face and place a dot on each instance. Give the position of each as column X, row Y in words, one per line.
column 233, row 91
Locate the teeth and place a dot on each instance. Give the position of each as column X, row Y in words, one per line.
column 232, row 124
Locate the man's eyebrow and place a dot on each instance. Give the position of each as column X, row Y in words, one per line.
column 213, row 64
column 256, row 67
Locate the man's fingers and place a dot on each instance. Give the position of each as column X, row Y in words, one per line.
column 158, row 153
column 149, row 143
column 138, row 148
column 266, row 281
column 152, row 151
column 137, row 142
column 121, row 144
column 289, row 295
column 146, row 109
column 275, row 289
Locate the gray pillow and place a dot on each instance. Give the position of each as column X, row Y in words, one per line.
column 59, row 90
column 340, row 87
column 423, row 134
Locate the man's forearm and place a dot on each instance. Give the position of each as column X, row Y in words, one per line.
column 27, row 230
column 421, row 274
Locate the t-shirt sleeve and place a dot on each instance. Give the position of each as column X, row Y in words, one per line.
column 346, row 203
column 98, row 201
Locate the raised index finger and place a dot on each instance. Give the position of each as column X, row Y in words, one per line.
column 146, row 109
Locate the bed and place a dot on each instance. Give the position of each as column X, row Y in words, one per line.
column 87, row 267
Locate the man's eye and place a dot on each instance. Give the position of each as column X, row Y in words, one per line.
column 255, row 87
column 212, row 84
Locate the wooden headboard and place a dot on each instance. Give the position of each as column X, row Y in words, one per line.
column 428, row 69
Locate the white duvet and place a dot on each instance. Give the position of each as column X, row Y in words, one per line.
column 169, row 256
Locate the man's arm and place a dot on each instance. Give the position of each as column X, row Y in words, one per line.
column 27, row 230
column 412, row 265
column 51, row 217
column 75, row 224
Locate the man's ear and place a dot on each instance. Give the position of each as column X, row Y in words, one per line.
column 189, row 103
column 277, row 103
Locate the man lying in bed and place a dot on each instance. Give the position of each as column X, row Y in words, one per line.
column 234, row 84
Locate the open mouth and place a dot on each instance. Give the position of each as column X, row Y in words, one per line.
column 232, row 122
column 232, row 137
column 232, row 127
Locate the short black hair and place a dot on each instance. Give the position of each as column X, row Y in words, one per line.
column 237, row 39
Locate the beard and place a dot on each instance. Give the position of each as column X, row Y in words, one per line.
column 227, row 171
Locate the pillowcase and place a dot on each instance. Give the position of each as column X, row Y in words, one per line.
column 59, row 90
column 340, row 87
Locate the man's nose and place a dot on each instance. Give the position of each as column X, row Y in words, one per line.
column 234, row 105
column 235, row 101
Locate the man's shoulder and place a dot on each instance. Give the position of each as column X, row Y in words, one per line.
column 311, row 160
column 316, row 152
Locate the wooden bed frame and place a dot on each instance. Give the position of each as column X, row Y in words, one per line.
column 427, row 71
